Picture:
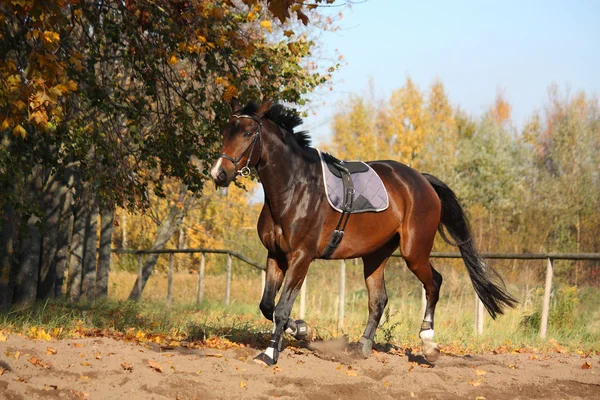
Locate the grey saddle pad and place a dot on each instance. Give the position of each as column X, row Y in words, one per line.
column 370, row 194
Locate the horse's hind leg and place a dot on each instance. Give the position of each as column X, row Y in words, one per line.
column 415, row 250
column 432, row 281
column 374, row 279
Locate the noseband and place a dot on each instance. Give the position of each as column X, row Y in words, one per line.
column 245, row 171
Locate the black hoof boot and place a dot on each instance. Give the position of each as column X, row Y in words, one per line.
column 265, row 359
column 303, row 331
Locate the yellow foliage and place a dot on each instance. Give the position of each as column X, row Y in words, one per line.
column 267, row 25
column 501, row 109
column 411, row 128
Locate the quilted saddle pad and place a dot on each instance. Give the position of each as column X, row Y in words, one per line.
column 370, row 194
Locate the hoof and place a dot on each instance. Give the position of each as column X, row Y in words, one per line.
column 264, row 359
column 303, row 331
column 365, row 347
column 431, row 351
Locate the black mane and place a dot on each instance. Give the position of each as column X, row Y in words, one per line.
column 286, row 118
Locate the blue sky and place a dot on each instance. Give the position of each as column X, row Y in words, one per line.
column 475, row 47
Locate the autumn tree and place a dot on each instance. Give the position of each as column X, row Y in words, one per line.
column 101, row 102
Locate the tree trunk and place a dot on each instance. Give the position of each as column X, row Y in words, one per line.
column 89, row 270
column 124, row 229
column 106, row 228
column 30, row 249
column 64, row 235
column 81, row 214
column 166, row 230
column 52, row 209
column 29, row 263
column 8, row 234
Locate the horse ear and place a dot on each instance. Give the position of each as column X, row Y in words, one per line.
column 264, row 107
column 234, row 104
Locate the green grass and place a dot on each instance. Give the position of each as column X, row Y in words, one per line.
column 574, row 319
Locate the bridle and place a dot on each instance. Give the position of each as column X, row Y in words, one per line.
column 245, row 171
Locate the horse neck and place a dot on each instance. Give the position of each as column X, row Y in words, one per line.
column 283, row 171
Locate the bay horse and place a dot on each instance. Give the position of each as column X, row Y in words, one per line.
column 296, row 222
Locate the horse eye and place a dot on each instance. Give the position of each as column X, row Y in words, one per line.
column 247, row 133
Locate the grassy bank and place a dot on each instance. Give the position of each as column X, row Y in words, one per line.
column 574, row 320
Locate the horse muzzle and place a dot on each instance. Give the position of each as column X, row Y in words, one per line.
column 219, row 175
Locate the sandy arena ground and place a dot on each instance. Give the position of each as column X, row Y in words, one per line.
column 104, row 368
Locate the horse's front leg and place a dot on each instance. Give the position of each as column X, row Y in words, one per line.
column 296, row 272
column 274, row 279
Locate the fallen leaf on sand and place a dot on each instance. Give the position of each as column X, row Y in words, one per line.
column 84, row 377
column 512, row 366
column 2, row 371
column 386, row 384
column 3, row 337
column 155, row 366
column 479, row 398
column 50, row 351
column 480, row 372
column 39, row 363
column 214, row 355
column 557, row 346
column 77, row 345
column 86, row 364
column 126, row 366
column 242, row 384
column 586, row 365
column 351, row 373
column 98, row 356
column 79, row 395
column 475, row 383
column 17, row 355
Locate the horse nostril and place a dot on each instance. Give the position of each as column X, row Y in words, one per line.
column 222, row 176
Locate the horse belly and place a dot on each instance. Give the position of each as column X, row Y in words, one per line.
column 366, row 232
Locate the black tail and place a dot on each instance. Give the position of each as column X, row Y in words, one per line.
column 488, row 284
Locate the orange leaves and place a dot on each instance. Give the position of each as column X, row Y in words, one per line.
column 39, row 363
column 19, row 131
column 126, row 366
column 155, row 366
column 586, row 365
column 39, row 334
column 50, row 37
column 501, row 109
column 266, row 24
column 173, row 60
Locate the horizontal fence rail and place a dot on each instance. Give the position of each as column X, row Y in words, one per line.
column 479, row 309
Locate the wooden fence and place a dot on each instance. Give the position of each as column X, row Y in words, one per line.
column 479, row 308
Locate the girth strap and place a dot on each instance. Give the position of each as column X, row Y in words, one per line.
column 338, row 234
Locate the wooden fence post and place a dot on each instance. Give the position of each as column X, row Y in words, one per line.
column 479, row 316
column 341, row 296
column 201, row 279
column 140, row 275
column 547, row 291
column 228, row 282
column 480, row 319
column 170, row 279
column 303, row 299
